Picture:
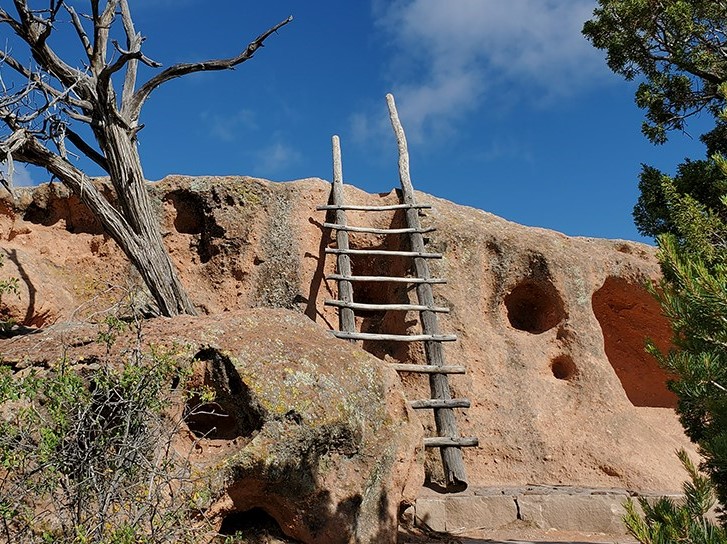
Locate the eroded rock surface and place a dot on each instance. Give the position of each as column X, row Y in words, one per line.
column 550, row 327
column 312, row 431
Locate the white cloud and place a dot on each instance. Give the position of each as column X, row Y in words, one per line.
column 21, row 175
column 227, row 127
column 449, row 57
column 276, row 158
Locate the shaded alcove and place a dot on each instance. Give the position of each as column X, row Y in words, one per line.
column 382, row 292
column 251, row 526
column 628, row 315
column 191, row 216
column 534, row 306
column 231, row 413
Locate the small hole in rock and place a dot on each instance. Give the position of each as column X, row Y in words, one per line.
column 210, row 420
column 534, row 306
column 563, row 367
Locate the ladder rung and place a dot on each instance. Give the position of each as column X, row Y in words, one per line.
column 446, row 441
column 439, row 403
column 428, row 369
column 384, row 252
column 395, row 337
column 371, row 230
column 373, row 208
column 392, row 279
column 387, row 307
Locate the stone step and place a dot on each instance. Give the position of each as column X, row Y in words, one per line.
column 552, row 508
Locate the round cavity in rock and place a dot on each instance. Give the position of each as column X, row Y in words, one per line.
column 563, row 367
column 210, row 420
column 534, row 306
column 189, row 214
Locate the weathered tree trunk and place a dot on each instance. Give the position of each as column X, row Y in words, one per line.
column 143, row 239
column 63, row 95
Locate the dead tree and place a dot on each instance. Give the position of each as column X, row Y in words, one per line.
column 48, row 104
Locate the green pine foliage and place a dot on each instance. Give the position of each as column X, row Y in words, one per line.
column 666, row 521
column 678, row 49
column 677, row 46
column 693, row 296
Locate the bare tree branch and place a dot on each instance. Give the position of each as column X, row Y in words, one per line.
column 54, row 94
column 37, row 79
column 29, row 30
column 182, row 69
column 82, row 35
column 26, row 148
column 101, row 28
column 86, row 149
column 132, row 40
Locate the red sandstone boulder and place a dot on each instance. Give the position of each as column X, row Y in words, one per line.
column 313, row 432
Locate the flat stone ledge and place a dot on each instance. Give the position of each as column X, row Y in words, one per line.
column 560, row 508
column 578, row 512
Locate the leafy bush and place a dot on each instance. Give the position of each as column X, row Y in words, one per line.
column 87, row 453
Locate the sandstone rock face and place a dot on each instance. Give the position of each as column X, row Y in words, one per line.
column 550, row 327
column 313, row 431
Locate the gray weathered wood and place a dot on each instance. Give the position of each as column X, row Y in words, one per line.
column 346, row 318
column 428, row 369
column 439, row 403
column 385, row 307
column 445, row 441
column 395, row 337
column 446, row 423
column 385, row 208
column 393, row 279
column 371, row 230
column 95, row 104
column 384, row 252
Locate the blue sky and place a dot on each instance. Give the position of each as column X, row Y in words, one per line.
column 506, row 107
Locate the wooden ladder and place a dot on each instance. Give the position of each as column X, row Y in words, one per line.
column 441, row 401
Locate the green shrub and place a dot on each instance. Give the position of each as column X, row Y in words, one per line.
column 87, row 453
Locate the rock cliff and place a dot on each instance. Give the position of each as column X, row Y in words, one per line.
column 551, row 328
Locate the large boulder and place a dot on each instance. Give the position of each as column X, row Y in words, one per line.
column 312, row 431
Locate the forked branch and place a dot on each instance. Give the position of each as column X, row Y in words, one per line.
column 182, row 69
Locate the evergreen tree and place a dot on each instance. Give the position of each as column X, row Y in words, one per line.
column 679, row 48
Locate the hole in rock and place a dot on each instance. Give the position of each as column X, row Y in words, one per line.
column 628, row 315
column 563, row 367
column 232, row 413
column 189, row 218
column 252, row 526
column 534, row 306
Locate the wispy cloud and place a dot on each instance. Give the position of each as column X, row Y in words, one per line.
column 227, row 127
column 449, row 57
column 21, row 175
column 276, row 158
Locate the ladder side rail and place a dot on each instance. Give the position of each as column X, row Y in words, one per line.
column 346, row 319
column 445, row 420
